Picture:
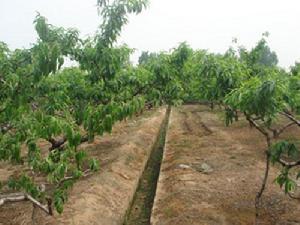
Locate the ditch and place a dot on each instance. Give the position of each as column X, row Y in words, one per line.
column 140, row 211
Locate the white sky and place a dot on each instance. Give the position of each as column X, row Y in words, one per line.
column 204, row 24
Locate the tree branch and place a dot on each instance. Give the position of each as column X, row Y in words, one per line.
column 84, row 139
column 59, row 143
column 258, row 127
column 56, row 143
column 18, row 197
column 289, row 164
column 86, row 173
column 281, row 130
column 293, row 197
column 291, row 117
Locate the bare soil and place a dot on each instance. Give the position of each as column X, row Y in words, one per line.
column 103, row 198
column 210, row 174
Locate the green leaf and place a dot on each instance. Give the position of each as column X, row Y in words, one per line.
column 107, row 123
column 80, row 156
column 94, row 164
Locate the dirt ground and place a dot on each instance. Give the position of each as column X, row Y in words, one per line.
column 103, row 198
column 210, row 174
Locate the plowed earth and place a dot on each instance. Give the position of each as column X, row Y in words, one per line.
column 210, row 174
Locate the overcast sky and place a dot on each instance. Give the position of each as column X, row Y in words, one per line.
column 204, row 24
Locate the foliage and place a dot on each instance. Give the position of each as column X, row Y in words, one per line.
column 41, row 102
column 288, row 151
column 259, row 97
column 261, row 54
column 295, row 70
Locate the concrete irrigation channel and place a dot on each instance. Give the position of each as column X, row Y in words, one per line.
column 140, row 211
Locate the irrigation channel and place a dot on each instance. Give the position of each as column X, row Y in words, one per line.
column 139, row 212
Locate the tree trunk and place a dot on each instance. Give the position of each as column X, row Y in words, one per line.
column 212, row 106
column 265, row 179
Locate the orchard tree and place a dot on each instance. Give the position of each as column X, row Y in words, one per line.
column 65, row 108
column 165, row 82
column 260, row 55
column 145, row 57
column 262, row 100
column 295, row 70
column 192, row 76
column 219, row 76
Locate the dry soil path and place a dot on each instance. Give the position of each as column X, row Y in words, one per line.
column 210, row 174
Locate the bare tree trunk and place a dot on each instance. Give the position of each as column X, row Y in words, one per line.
column 265, row 179
column 212, row 106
